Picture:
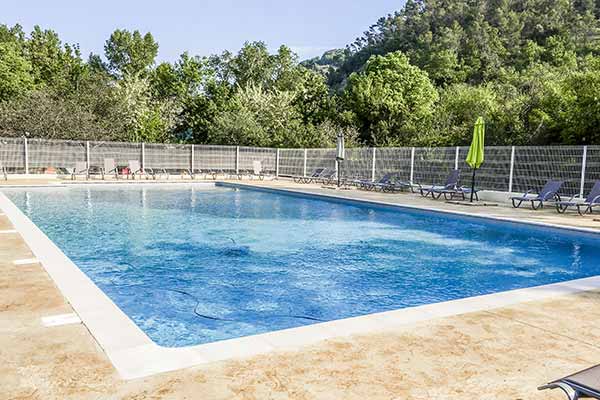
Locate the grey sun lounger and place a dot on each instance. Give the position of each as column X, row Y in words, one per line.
column 110, row 168
column 582, row 384
column 3, row 171
column 548, row 193
column 380, row 183
column 308, row 179
column 438, row 190
column 327, row 177
column 80, row 168
column 583, row 207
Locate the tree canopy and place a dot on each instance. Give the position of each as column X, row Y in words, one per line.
column 420, row 76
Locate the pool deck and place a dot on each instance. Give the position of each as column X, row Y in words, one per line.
column 502, row 353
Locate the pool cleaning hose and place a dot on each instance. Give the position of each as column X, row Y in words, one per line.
column 213, row 318
column 225, row 319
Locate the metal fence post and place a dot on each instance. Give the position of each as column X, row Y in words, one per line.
column 412, row 164
column 512, row 169
column 456, row 157
column 26, row 147
column 304, row 168
column 237, row 159
column 192, row 160
column 373, row 167
column 277, row 163
column 583, row 167
column 143, row 156
column 87, row 153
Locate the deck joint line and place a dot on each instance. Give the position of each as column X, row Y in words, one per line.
column 8, row 231
column 61, row 319
column 26, row 261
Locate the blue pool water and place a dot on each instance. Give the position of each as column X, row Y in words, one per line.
column 193, row 264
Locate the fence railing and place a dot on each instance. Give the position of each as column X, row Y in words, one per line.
column 506, row 168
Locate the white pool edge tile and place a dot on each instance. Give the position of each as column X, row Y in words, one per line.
column 134, row 355
column 60, row 320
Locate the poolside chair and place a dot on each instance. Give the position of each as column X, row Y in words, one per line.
column 327, row 177
column 583, row 384
column 592, row 199
column 80, row 168
column 381, row 183
column 110, row 168
column 4, row 172
column 200, row 171
column 257, row 170
column 307, row 179
column 548, row 193
column 155, row 172
column 437, row 191
column 134, row 168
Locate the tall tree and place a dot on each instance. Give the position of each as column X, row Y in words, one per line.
column 130, row 53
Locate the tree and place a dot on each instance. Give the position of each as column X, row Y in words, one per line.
column 15, row 72
column 391, row 99
column 130, row 53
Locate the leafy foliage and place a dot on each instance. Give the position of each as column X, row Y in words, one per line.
column 420, row 76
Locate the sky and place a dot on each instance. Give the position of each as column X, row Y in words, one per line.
column 309, row 27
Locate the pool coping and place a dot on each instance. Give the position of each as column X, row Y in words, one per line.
column 135, row 355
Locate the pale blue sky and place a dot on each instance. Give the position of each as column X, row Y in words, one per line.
column 204, row 27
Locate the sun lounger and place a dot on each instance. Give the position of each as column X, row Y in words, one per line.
column 583, row 384
column 134, row 168
column 199, row 171
column 257, row 170
column 548, row 193
column 378, row 184
column 308, row 179
column 592, row 200
column 110, row 168
column 438, row 190
column 80, row 168
column 3, row 171
column 327, row 177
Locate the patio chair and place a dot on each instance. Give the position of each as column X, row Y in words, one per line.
column 257, row 170
column 4, row 171
column 583, row 384
column 201, row 171
column 327, row 177
column 381, row 184
column 307, row 179
column 548, row 193
column 592, row 199
column 110, row 168
column 80, row 168
column 134, row 168
column 437, row 191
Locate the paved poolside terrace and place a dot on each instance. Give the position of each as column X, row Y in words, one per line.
column 498, row 353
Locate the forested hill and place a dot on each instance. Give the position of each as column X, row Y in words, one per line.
column 418, row 77
column 465, row 41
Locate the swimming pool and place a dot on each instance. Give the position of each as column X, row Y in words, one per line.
column 197, row 264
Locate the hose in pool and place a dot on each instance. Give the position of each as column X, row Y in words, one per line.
column 213, row 318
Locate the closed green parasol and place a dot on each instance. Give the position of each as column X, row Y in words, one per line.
column 475, row 156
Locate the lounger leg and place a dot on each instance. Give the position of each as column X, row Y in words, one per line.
column 516, row 205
